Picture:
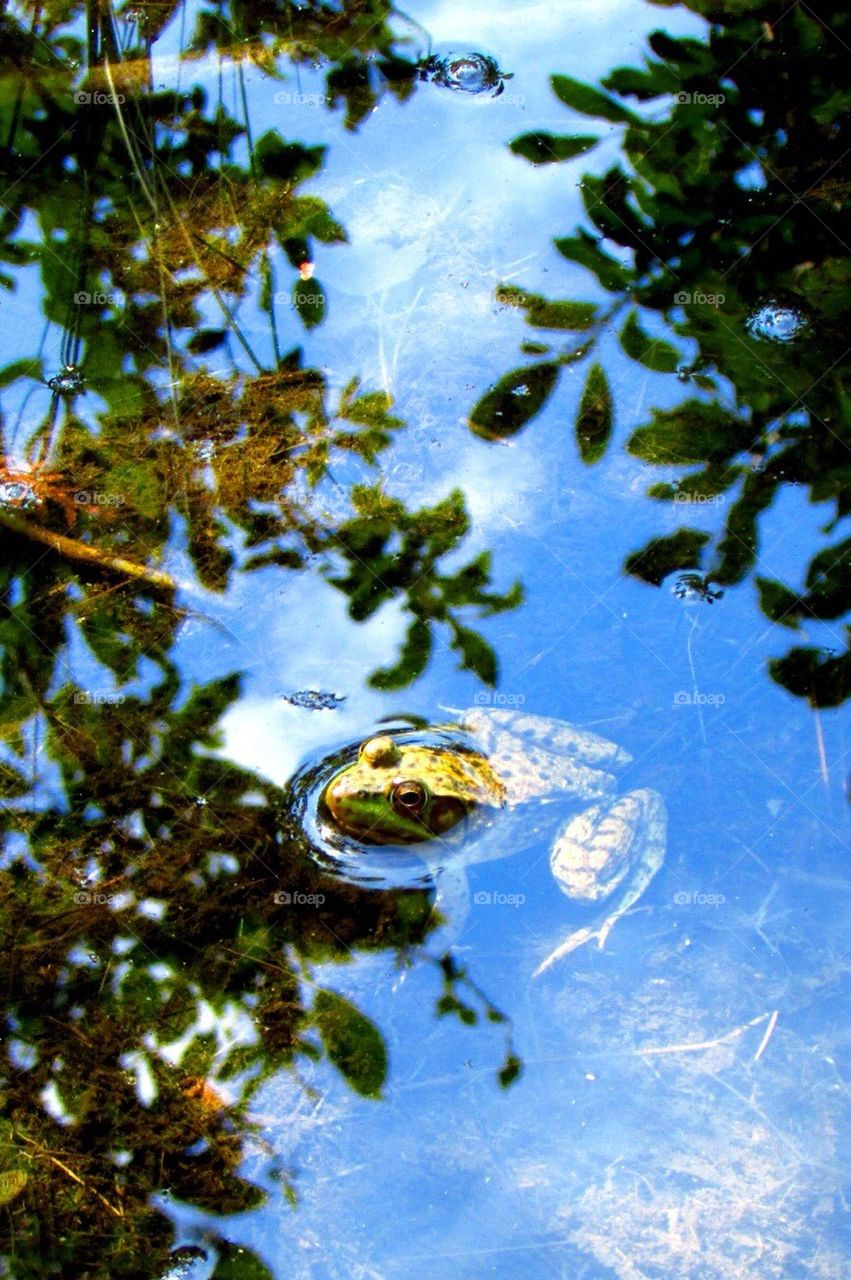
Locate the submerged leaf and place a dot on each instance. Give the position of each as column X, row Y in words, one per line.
column 594, row 422
column 661, row 556
column 653, row 353
column 512, row 402
column 589, row 101
column 353, row 1043
column 549, row 148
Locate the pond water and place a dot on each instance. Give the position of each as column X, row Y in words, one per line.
column 362, row 366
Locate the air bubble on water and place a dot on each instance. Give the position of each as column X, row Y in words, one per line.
column 776, row 321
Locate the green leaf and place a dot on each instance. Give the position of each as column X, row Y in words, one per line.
column 661, row 556
column 585, row 250
column 542, row 313
column 693, row 432
column 287, row 161
column 589, row 101
column 512, row 402
column 509, row 1071
column 823, row 678
column 778, row 603
column 352, row 1042
column 412, row 660
column 594, row 422
column 238, row 1263
column 476, row 654
column 653, row 353
column 309, row 302
column 21, row 369
column 549, row 148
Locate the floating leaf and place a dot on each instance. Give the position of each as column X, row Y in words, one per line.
column 653, row 353
column 352, row 1042
column 662, row 556
column 594, row 422
column 510, row 403
column 549, row 148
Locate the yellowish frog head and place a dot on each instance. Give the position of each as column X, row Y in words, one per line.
column 400, row 793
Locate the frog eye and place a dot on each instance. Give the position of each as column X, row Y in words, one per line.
column 409, row 798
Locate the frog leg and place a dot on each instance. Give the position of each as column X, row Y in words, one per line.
column 632, row 831
column 497, row 726
column 451, row 906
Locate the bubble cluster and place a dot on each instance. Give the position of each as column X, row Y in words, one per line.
column 776, row 321
column 466, row 73
column 19, row 495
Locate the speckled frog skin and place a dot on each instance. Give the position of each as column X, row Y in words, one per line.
column 400, row 792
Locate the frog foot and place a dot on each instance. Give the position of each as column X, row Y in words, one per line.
column 604, row 849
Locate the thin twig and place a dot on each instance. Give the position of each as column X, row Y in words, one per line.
column 75, row 550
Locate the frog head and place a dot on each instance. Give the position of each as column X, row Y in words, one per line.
column 401, row 793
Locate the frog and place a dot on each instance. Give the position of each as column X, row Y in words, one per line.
column 489, row 791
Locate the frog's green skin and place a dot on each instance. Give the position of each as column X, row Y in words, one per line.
column 399, row 792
